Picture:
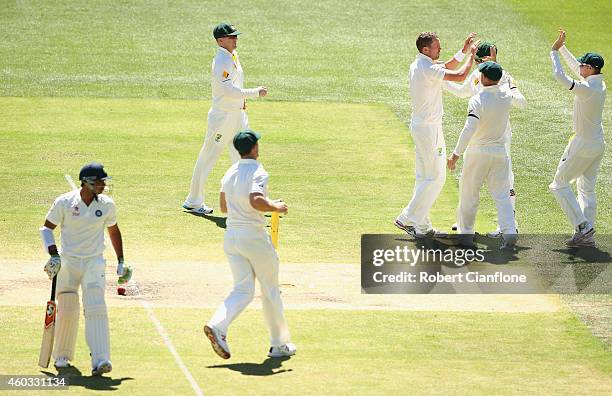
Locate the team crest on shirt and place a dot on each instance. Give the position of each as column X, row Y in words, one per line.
column 218, row 137
column 225, row 74
column 98, row 213
column 75, row 211
column 476, row 81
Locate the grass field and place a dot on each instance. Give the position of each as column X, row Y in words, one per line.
column 392, row 352
column 127, row 84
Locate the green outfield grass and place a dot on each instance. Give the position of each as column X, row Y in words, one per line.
column 357, row 353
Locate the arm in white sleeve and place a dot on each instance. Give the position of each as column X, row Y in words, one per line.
column 558, row 72
column 222, row 73
column 518, row 100
column 471, row 124
column 460, row 90
column 577, row 87
column 570, row 60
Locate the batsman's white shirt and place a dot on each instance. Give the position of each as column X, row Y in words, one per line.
column 82, row 226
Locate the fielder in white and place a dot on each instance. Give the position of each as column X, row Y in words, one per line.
column 582, row 157
column 426, row 82
column 226, row 116
column 249, row 250
column 486, row 160
column 472, row 86
column 82, row 215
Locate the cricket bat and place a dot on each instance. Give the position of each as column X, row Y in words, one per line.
column 274, row 222
column 48, row 333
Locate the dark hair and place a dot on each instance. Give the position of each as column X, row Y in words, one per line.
column 425, row 39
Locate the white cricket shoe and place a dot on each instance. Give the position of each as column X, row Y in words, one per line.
column 202, row 209
column 218, row 341
column 103, row 367
column 584, row 236
column 494, row 234
column 283, row 350
column 62, row 362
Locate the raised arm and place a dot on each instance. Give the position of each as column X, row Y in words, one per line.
column 460, row 55
column 464, row 71
column 569, row 59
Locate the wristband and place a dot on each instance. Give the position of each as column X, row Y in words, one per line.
column 459, row 56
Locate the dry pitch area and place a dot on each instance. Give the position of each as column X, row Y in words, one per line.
column 304, row 286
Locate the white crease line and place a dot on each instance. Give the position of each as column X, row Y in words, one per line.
column 169, row 345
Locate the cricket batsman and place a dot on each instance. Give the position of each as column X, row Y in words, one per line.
column 249, row 250
column 582, row 157
column 82, row 215
column 226, row 116
column 483, row 143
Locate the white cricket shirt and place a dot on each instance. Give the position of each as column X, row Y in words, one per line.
column 488, row 114
column 241, row 179
column 82, row 227
column 227, row 82
column 590, row 96
column 426, row 80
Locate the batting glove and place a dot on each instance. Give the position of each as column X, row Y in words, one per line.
column 53, row 265
column 124, row 272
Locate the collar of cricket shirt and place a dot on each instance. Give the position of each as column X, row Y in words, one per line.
column 249, row 161
column 491, row 87
column 226, row 51
column 595, row 77
column 423, row 56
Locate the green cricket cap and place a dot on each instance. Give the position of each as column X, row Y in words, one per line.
column 484, row 49
column 224, row 29
column 245, row 140
column 592, row 59
column 491, row 70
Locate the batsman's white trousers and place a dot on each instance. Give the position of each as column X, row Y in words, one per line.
column 251, row 255
column 88, row 273
column 430, row 167
column 490, row 165
column 580, row 162
column 222, row 127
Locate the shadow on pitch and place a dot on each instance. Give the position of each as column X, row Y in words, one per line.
column 219, row 221
column 265, row 368
column 76, row 378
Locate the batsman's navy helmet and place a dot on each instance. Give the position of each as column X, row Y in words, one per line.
column 92, row 172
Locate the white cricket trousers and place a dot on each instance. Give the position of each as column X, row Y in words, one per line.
column 430, row 168
column 490, row 165
column 580, row 162
column 251, row 255
column 88, row 273
column 222, row 127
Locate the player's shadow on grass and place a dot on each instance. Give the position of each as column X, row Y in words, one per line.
column 265, row 368
column 219, row 221
column 76, row 378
